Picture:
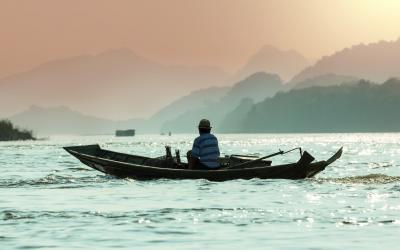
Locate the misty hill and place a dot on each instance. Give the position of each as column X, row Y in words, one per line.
column 115, row 84
column 285, row 63
column 195, row 100
column 8, row 132
column 362, row 107
column 326, row 80
column 257, row 87
column 375, row 62
column 232, row 119
column 63, row 120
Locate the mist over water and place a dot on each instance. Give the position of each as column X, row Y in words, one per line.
column 48, row 199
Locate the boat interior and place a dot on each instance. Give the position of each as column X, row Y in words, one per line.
column 166, row 161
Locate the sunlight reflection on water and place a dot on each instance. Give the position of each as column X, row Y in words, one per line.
column 48, row 199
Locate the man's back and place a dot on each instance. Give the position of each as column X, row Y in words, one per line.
column 205, row 147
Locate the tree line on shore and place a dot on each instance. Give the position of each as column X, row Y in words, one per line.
column 8, row 132
column 361, row 107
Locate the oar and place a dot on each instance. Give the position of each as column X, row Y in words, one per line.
column 265, row 157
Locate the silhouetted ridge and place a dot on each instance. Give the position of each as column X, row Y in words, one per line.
column 326, row 80
column 362, row 107
column 285, row 63
column 374, row 61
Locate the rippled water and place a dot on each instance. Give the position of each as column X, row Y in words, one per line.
column 50, row 200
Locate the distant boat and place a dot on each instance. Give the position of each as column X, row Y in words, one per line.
column 128, row 132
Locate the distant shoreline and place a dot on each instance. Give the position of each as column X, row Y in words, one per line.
column 8, row 132
column 48, row 137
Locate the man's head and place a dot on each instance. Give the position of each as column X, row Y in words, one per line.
column 204, row 126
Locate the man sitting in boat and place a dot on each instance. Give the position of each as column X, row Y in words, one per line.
column 205, row 152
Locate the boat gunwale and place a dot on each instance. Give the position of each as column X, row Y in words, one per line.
column 147, row 167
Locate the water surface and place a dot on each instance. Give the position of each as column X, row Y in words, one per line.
column 49, row 200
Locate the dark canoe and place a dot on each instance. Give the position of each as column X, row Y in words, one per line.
column 145, row 168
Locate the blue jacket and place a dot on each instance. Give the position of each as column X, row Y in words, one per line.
column 205, row 147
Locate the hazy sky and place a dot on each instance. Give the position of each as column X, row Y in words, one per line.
column 210, row 32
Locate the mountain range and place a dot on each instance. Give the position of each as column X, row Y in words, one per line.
column 182, row 115
column 360, row 106
column 117, row 84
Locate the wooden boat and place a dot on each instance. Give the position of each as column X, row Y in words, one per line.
column 145, row 168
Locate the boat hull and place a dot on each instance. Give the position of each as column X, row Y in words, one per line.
column 123, row 166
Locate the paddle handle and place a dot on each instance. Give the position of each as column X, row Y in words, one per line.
column 256, row 160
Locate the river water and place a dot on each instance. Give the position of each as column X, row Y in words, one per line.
column 49, row 200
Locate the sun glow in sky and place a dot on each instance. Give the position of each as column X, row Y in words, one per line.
column 209, row 32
